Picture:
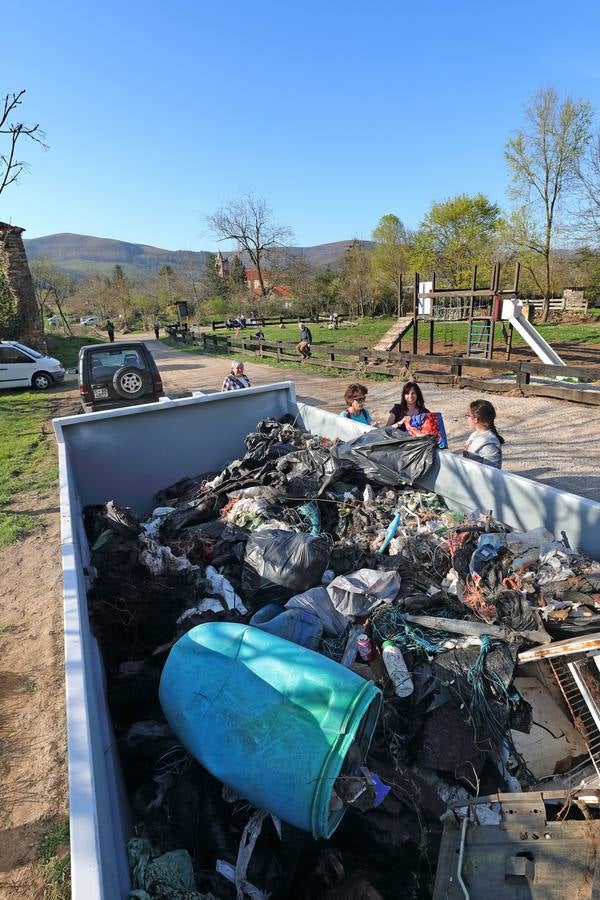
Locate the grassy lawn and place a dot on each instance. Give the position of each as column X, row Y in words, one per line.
column 66, row 348
column 28, row 465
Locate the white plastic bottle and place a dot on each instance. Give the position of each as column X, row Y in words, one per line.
column 396, row 668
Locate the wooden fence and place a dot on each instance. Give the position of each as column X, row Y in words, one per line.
column 499, row 376
column 273, row 320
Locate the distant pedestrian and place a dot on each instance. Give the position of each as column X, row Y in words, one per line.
column 110, row 328
column 156, row 330
column 303, row 347
column 236, row 380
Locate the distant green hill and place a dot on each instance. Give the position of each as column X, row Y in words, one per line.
column 81, row 255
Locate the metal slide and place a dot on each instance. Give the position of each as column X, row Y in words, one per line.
column 537, row 343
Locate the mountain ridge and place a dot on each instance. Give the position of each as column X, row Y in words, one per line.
column 81, row 255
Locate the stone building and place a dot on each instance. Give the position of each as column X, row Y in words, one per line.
column 222, row 265
column 25, row 322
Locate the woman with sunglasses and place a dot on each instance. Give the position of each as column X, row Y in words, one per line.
column 355, row 397
column 484, row 444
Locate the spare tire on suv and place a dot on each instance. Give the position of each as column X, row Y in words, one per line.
column 130, row 382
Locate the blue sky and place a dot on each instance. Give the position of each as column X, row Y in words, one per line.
column 336, row 113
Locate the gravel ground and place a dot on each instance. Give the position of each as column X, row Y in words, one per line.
column 553, row 441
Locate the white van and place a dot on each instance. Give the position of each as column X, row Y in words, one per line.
column 21, row 366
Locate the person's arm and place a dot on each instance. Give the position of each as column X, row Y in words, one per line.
column 491, row 454
column 391, row 420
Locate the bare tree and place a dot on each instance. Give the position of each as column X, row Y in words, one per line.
column 249, row 222
column 589, row 181
column 544, row 162
column 51, row 285
column 10, row 167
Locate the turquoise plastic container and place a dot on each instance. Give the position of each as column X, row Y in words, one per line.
column 270, row 719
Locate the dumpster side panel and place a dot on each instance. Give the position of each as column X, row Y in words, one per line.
column 99, row 821
column 127, row 454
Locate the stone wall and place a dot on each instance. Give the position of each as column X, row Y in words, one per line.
column 17, row 275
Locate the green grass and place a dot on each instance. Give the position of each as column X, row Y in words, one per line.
column 55, row 860
column 66, row 347
column 28, row 464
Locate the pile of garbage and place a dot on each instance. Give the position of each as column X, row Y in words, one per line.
column 329, row 547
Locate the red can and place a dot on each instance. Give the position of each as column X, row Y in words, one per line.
column 365, row 647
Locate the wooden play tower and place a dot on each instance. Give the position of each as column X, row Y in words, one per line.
column 480, row 307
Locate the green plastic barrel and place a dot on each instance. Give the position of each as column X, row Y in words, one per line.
column 272, row 720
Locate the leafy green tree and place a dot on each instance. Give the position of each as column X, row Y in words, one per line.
column 355, row 279
column 211, row 283
column 544, row 160
column 456, row 235
column 123, row 299
column 10, row 318
column 390, row 260
column 237, row 274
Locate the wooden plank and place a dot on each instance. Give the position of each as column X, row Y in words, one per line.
column 572, row 393
column 582, row 644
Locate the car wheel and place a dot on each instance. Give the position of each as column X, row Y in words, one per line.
column 41, row 381
column 131, row 383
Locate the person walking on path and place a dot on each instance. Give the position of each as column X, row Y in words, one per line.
column 303, row 347
column 484, row 444
column 110, row 328
column 156, row 327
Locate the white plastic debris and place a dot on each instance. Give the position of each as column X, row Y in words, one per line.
column 153, row 524
column 221, row 586
column 159, row 558
column 209, row 604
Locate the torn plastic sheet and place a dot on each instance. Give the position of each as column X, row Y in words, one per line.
column 151, row 527
column 317, row 601
column 248, row 840
column 224, row 589
column 388, row 456
column 159, row 558
column 357, row 593
column 209, row 604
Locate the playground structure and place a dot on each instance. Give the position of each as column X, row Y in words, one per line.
column 482, row 308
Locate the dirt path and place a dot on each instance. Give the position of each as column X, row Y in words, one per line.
column 552, row 441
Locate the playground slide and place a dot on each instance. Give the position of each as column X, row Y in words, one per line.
column 537, row 343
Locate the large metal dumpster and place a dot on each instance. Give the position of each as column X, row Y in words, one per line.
column 127, row 455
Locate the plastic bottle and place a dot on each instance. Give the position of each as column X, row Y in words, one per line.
column 365, row 647
column 396, row 667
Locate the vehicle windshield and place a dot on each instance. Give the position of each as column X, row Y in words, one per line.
column 115, row 359
column 29, row 350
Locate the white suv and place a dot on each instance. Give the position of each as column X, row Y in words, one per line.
column 21, row 366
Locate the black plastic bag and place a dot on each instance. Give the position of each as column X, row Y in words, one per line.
column 388, row 456
column 310, row 472
column 279, row 564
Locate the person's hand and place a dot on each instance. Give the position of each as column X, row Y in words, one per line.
column 405, row 421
